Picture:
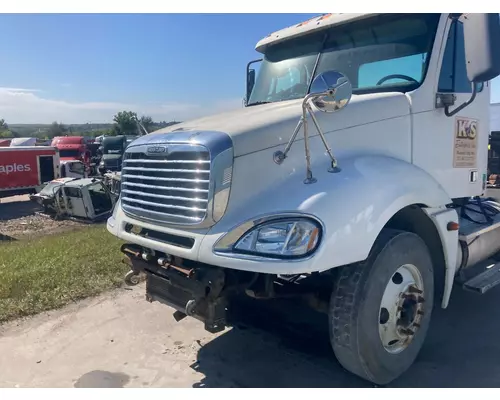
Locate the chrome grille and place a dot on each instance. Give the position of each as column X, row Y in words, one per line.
column 171, row 186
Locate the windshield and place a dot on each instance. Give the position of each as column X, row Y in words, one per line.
column 69, row 153
column 50, row 189
column 383, row 53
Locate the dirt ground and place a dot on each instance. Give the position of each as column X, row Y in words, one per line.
column 19, row 219
column 120, row 340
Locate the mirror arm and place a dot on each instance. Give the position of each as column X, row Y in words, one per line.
column 449, row 113
column 279, row 156
column 309, row 177
column 334, row 167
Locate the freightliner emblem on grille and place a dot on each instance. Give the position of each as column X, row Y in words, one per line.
column 157, row 150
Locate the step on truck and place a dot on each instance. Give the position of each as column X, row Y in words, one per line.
column 353, row 178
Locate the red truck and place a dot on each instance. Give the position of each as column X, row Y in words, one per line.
column 73, row 148
column 25, row 169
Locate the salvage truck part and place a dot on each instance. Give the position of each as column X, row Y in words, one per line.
column 376, row 226
column 81, row 199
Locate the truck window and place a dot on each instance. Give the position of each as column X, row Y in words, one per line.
column 100, row 198
column 274, row 81
column 391, row 45
column 453, row 75
column 73, row 192
column 69, row 153
column 289, row 79
column 365, row 51
column 77, row 168
column 412, row 66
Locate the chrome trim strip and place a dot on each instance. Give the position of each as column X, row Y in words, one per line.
column 161, row 196
column 165, row 187
column 149, row 203
column 159, row 213
column 168, row 161
column 185, row 171
column 157, row 178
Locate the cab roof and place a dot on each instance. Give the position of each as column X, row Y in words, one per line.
column 314, row 24
column 81, row 182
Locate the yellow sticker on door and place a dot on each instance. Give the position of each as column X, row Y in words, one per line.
column 465, row 146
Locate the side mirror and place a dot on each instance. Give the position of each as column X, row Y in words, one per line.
column 330, row 91
column 250, row 80
column 482, row 35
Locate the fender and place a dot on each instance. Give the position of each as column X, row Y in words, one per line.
column 353, row 205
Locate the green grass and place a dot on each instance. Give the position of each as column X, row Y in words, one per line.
column 51, row 271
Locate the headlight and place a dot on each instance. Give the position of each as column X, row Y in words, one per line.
column 281, row 239
column 101, row 164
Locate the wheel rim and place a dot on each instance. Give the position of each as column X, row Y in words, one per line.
column 401, row 309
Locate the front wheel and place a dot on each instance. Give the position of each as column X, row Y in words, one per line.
column 380, row 309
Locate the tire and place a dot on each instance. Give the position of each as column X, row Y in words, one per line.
column 356, row 313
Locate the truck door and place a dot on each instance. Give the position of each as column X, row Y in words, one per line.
column 46, row 168
column 454, row 148
column 470, row 126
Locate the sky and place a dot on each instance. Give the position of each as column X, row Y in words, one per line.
column 77, row 68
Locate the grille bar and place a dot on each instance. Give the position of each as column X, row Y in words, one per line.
column 189, row 171
column 140, row 211
column 161, row 196
column 155, row 187
column 146, row 161
column 160, row 178
column 151, row 203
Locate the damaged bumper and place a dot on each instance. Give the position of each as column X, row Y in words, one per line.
column 197, row 290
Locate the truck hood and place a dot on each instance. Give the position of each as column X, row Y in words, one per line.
column 263, row 126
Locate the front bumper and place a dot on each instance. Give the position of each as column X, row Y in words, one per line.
column 198, row 245
column 199, row 291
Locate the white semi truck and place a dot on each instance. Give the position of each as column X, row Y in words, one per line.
column 354, row 177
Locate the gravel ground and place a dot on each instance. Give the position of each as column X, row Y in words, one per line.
column 19, row 219
column 120, row 340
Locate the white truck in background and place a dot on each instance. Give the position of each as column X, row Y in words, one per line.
column 383, row 218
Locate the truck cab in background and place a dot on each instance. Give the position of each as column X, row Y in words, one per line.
column 73, row 148
column 73, row 169
column 352, row 179
column 112, row 149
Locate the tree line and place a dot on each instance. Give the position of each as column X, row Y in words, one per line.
column 124, row 123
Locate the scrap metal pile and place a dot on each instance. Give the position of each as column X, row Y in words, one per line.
column 83, row 199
